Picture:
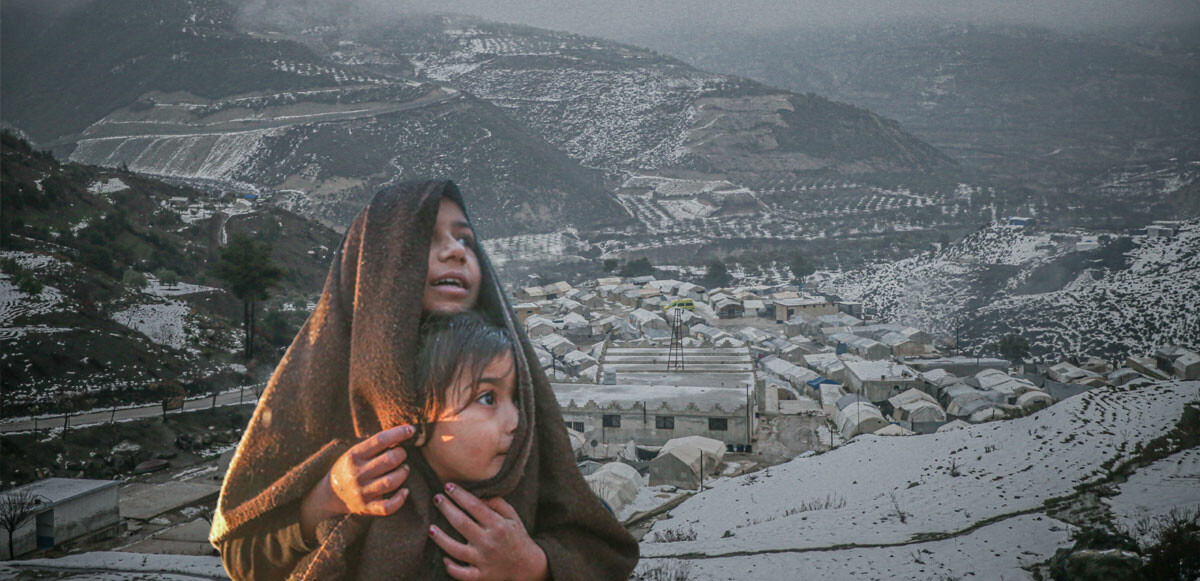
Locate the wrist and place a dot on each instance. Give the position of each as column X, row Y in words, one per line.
column 536, row 564
column 319, row 504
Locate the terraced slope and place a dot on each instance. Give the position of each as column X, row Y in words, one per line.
column 1125, row 295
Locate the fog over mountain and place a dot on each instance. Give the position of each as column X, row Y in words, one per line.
column 628, row 19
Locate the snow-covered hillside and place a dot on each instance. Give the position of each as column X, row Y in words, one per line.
column 958, row 502
column 1067, row 293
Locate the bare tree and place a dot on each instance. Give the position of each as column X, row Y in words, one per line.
column 16, row 508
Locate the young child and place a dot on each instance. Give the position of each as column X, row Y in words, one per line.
column 466, row 368
column 328, row 482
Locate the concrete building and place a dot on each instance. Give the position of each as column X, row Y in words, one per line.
column 531, row 294
column 787, row 309
column 69, row 508
column 1187, row 366
column 526, row 310
column 556, row 290
column 652, row 414
column 960, row 366
column 879, row 380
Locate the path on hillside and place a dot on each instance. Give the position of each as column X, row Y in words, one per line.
column 249, row 124
column 241, row 396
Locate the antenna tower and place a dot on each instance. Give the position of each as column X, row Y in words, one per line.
column 675, row 357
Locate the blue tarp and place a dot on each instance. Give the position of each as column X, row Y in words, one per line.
column 816, row 383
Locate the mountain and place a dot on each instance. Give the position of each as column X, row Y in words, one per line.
column 1066, row 292
column 89, row 312
column 175, row 89
column 1032, row 105
column 624, row 109
column 993, row 500
column 544, row 130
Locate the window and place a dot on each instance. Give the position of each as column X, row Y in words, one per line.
column 612, row 420
column 718, row 424
column 664, row 422
column 577, row 426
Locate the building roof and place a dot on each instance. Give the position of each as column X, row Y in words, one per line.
column 881, row 371
column 59, row 490
column 676, row 397
column 800, row 302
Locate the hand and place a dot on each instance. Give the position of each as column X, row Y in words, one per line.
column 359, row 481
column 498, row 547
column 372, row 468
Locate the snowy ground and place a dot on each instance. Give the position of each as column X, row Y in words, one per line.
column 1153, row 492
column 998, row 551
column 15, row 304
column 108, row 186
column 981, row 489
column 117, row 566
column 164, row 323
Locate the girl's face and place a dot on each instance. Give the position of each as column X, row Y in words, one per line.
column 472, row 436
column 453, row 278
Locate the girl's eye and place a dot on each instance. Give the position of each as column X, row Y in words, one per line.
column 466, row 242
column 487, row 398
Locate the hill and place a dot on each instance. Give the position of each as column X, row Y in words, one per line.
column 991, row 501
column 546, row 130
column 175, row 89
column 105, row 296
column 1068, row 293
column 1032, row 105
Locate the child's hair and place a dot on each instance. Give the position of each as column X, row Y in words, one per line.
column 453, row 345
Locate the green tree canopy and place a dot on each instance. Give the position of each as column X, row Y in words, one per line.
column 717, row 275
column 637, row 267
column 801, row 267
column 245, row 266
column 1012, row 347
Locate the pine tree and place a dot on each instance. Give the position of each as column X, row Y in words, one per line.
column 245, row 265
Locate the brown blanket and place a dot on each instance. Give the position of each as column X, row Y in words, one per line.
column 348, row 374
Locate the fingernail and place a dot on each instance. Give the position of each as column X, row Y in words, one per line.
column 408, row 430
column 432, row 531
column 437, row 499
column 449, row 487
column 404, row 492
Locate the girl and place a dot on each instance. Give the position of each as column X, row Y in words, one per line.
column 326, row 483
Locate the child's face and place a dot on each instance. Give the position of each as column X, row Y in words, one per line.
column 471, row 438
column 453, row 278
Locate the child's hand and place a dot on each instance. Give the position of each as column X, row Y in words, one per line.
column 497, row 545
column 358, row 482
column 371, row 469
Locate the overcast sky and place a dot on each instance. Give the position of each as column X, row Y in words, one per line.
column 635, row 18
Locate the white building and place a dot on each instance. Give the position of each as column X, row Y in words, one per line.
column 68, row 508
column 879, row 380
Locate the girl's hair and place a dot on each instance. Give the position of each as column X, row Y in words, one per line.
column 453, row 346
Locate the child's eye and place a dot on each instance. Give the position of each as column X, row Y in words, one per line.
column 487, row 398
column 466, row 241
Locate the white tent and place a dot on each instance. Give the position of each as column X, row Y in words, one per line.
column 859, row 418
column 921, row 411
column 894, row 430
column 681, row 460
column 910, row 395
column 987, row 415
column 577, row 441
column 616, row 483
column 955, row 425
column 1034, row 400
